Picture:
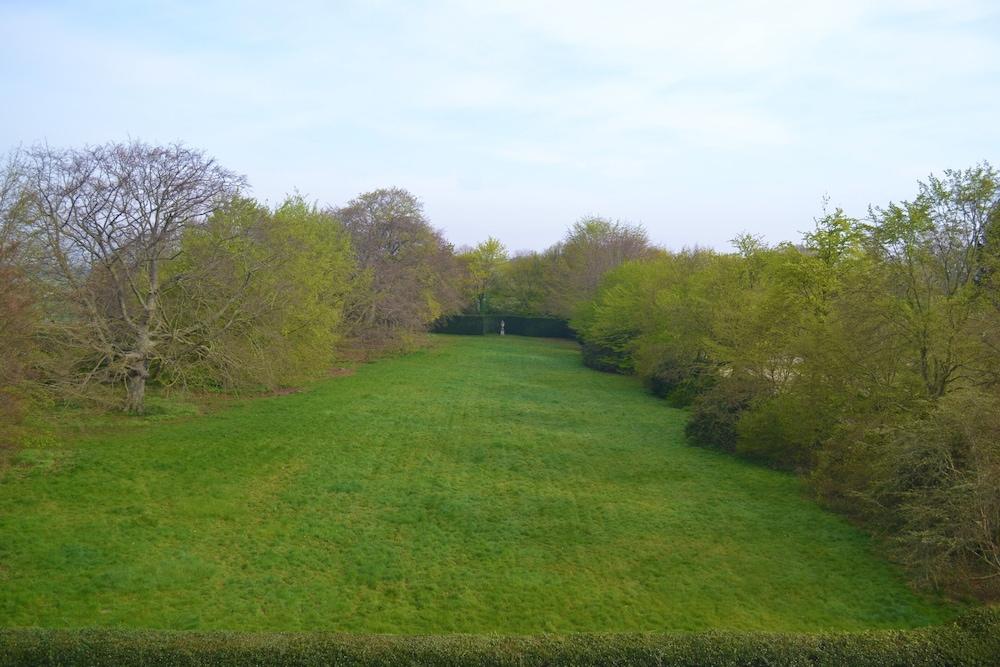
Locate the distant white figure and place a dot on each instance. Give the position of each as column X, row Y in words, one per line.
column 502, row 326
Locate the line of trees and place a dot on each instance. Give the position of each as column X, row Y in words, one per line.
column 866, row 358
column 127, row 264
column 553, row 282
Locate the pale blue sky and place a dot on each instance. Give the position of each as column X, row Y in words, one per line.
column 696, row 119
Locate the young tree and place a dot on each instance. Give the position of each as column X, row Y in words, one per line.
column 933, row 250
column 112, row 217
column 484, row 263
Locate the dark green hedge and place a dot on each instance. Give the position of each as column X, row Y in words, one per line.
column 602, row 358
column 972, row 640
column 515, row 325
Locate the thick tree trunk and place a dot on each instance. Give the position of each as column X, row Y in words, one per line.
column 135, row 384
column 137, row 370
column 138, row 360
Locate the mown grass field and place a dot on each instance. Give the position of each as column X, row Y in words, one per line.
column 482, row 485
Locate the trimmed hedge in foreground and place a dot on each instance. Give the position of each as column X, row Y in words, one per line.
column 974, row 639
column 514, row 325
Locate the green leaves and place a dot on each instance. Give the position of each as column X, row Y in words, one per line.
column 484, row 264
column 792, row 355
column 257, row 296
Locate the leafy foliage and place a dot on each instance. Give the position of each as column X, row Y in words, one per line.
column 258, row 296
column 484, row 263
column 850, row 358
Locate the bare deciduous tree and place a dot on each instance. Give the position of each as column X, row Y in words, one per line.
column 111, row 216
column 18, row 316
column 592, row 247
column 407, row 272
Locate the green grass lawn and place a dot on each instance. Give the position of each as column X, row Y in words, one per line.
column 482, row 485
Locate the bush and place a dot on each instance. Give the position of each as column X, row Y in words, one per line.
column 680, row 384
column 783, row 431
column 937, row 485
column 973, row 640
column 603, row 358
column 716, row 413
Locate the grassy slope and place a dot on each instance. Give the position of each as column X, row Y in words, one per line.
column 484, row 485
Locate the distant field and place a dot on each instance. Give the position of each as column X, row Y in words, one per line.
column 484, row 485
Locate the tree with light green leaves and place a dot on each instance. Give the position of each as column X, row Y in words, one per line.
column 867, row 358
column 484, row 264
column 257, row 297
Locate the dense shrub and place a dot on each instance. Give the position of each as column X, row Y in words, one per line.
column 939, row 477
column 972, row 640
column 603, row 358
column 680, row 384
column 716, row 413
column 461, row 325
column 785, row 430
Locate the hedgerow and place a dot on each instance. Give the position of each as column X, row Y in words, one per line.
column 515, row 325
column 974, row 639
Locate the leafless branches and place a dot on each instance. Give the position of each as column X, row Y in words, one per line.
column 111, row 216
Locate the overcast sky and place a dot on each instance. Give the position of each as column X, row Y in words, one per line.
column 696, row 119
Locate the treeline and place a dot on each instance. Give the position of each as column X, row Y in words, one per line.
column 125, row 265
column 553, row 282
column 866, row 358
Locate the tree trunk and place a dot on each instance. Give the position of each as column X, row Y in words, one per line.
column 135, row 383
column 137, row 370
column 137, row 361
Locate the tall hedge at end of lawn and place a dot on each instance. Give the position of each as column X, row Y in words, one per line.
column 514, row 325
column 973, row 639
